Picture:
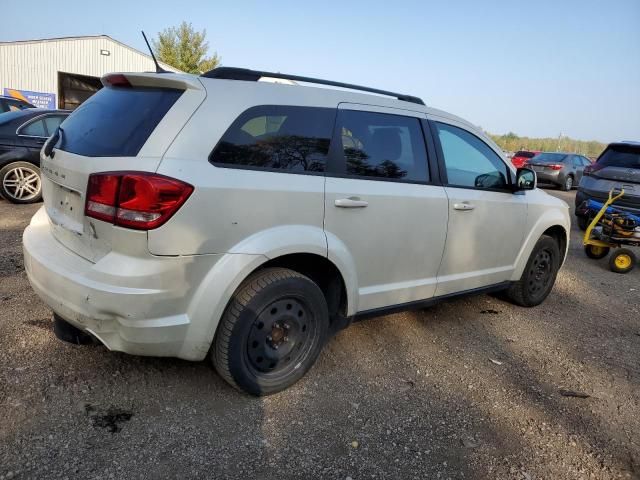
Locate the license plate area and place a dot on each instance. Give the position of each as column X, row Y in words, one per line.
column 64, row 205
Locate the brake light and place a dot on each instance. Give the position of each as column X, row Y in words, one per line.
column 138, row 200
column 594, row 167
column 117, row 80
column 555, row 166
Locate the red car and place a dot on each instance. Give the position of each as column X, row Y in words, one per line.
column 521, row 157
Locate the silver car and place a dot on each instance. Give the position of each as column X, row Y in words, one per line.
column 618, row 167
column 561, row 169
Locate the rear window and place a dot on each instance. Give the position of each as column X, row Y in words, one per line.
column 550, row 158
column 620, row 157
column 525, row 154
column 116, row 122
column 274, row 137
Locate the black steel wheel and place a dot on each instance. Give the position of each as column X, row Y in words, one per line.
column 539, row 274
column 280, row 337
column 271, row 332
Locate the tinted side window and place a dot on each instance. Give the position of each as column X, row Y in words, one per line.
column 469, row 161
column 295, row 139
column 577, row 162
column 380, row 145
column 35, row 129
column 53, row 122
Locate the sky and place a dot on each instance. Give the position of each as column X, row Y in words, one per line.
column 537, row 68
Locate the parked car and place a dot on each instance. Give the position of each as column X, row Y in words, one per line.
column 247, row 221
column 561, row 169
column 10, row 104
column 22, row 134
column 617, row 167
column 522, row 156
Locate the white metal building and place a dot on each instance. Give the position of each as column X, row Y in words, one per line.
column 63, row 72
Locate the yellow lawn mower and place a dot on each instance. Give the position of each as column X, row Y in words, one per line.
column 612, row 228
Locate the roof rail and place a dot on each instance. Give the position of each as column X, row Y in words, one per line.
column 232, row 73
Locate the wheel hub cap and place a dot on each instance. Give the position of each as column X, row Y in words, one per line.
column 21, row 183
column 279, row 335
column 540, row 272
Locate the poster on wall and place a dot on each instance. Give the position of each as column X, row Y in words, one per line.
column 37, row 99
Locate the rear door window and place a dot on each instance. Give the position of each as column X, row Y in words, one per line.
column 116, row 122
column 34, row 129
column 52, row 122
column 382, row 146
column 275, row 137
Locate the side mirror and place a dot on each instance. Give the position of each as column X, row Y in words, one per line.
column 526, row 179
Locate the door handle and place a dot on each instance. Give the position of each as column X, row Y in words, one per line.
column 464, row 206
column 351, row 202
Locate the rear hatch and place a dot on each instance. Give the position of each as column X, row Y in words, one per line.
column 126, row 126
column 617, row 168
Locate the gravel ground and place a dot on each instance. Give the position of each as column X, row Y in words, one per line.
column 471, row 388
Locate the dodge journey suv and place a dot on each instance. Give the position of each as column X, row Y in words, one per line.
column 246, row 221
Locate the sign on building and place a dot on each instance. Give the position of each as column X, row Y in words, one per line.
column 37, row 99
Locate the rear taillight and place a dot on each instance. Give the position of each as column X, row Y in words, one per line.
column 594, row 167
column 137, row 200
column 555, row 167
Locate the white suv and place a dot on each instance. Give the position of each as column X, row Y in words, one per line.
column 248, row 220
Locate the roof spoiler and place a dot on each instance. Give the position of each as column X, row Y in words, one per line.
column 245, row 74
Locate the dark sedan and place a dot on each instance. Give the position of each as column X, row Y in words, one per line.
column 22, row 134
column 562, row 169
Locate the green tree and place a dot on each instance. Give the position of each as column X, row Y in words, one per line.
column 185, row 49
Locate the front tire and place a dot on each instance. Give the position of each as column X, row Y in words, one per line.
column 539, row 274
column 271, row 332
column 20, row 182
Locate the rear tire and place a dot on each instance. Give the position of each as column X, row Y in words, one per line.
column 20, row 182
column 539, row 274
column 568, row 183
column 622, row 260
column 271, row 332
column 596, row 252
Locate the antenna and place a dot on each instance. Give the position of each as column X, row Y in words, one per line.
column 159, row 69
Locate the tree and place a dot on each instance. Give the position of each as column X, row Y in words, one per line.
column 185, row 49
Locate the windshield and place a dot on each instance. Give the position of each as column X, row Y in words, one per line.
column 549, row 158
column 620, row 157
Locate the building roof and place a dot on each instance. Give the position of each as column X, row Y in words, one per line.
column 87, row 37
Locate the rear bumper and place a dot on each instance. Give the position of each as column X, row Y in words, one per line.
column 583, row 195
column 134, row 305
column 550, row 177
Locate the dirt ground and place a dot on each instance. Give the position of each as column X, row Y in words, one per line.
column 471, row 388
